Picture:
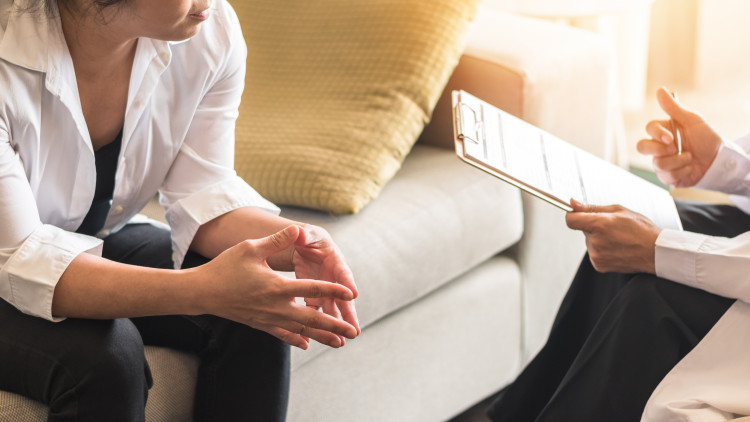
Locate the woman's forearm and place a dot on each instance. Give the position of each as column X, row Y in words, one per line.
column 96, row 288
column 236, row 285
column 227, row 230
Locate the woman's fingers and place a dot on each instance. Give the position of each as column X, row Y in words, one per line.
column 298, row 334
column 323, row 337
column 316, row 288
column 331, row 308
column 323, row 293
column 255, row 295
column 287, row 337
column 345, row 277
column 310, row 329
column 307, row 322
column 312, row 319
column 348, row 313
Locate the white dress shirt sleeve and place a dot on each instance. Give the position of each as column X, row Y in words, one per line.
column 730, row 171
column 718, row 265
column 33, row 256
column 202, row 184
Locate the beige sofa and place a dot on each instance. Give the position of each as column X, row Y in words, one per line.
column 460, row 275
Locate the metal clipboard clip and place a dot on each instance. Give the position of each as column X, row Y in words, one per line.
column 463, row 111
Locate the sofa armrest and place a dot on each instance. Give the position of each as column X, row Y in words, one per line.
column 553, row 76
column 560, row 79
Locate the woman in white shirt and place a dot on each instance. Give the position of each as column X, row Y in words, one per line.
column 653, row 316
column 104, row 103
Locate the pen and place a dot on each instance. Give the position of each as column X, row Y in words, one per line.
column 676, row 131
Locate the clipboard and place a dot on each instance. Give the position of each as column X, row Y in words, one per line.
column 469, row 126
column 547, row 167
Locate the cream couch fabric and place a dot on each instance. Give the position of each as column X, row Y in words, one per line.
column 460, row 275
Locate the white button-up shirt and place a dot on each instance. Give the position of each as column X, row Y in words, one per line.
column 712, row 383
column 178, row 140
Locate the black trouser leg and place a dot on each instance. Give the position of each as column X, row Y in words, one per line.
column 616, row 336
column 95, row 370
column 588, row 296
column 650, row 325
column 84, row 370
column 243, row 372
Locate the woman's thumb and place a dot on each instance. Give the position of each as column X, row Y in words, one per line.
column 278, row 241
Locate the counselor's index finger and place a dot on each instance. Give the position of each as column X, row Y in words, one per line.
column 317, row 288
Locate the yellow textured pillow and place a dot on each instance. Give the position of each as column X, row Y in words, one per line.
column 337, row 92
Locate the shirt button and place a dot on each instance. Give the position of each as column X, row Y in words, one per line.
column 103, row 233
column 730, row 164
column 117, row 210
column 174, row 256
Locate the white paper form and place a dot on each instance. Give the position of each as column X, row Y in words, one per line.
column 548, row 167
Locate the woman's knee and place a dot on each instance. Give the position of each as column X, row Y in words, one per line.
column 117, row 353
column 242, row 345
column 230, row 334
column 106, row 373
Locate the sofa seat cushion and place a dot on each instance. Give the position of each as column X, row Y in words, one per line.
column 437, row 219
column 425, row 362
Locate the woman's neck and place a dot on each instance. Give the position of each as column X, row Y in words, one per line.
column 98, row 44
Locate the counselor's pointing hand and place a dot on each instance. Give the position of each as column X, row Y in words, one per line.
column 700, row 143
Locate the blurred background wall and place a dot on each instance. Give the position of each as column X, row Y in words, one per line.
column 698, row 48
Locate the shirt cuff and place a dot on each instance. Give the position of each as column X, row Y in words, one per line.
column 29, row 277
column 676, row 254
column 186, row 215
column 728, row 170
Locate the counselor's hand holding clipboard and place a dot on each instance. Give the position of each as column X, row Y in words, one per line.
column 548, row 167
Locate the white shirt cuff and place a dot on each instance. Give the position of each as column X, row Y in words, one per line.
column 728, row 170
column 186, row 215
column 676, row 254
column 29, row 277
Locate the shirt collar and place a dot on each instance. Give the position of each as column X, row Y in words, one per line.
column 26, row 39
column 35, row 41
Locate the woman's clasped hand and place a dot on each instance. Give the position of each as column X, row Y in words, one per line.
column 245, row 289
